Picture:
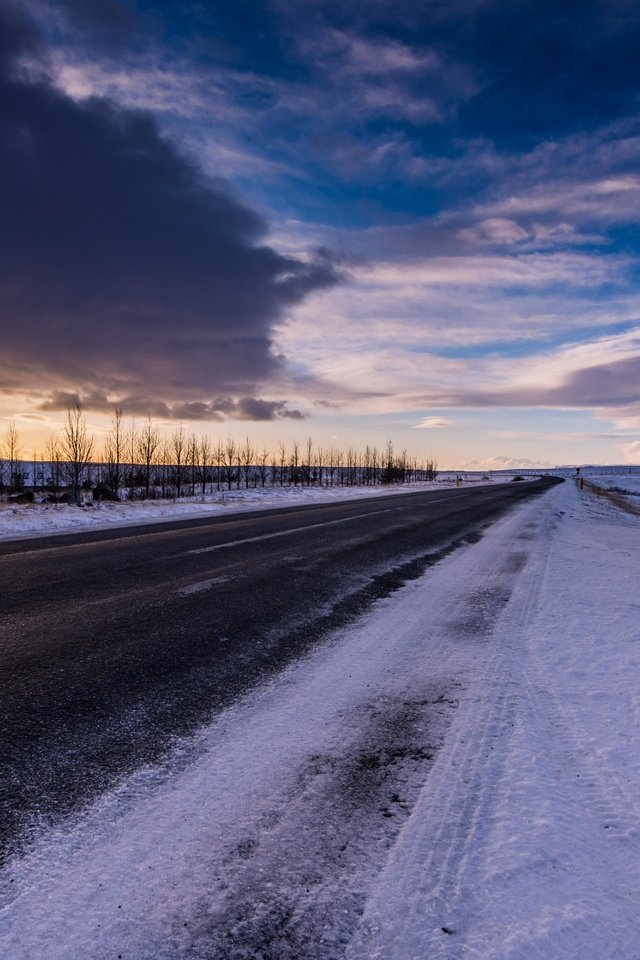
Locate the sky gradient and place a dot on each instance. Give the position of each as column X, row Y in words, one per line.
column 355, row 221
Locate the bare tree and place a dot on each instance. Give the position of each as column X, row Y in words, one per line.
column 132, row 443
column 246, row 455
column 193, row 456
column 165, row 460
column 148, row 444
column 10, row 452
column 388, row 465
column 54, row 464
column 321, row 459
column 219, row 459
column 431, row 469
column 308, row 462
column 114, row 452
column 375, row 465
column 294, row 464
column 403, row 466
column 262, row 463
column 76, row 448
column 282, row 462
column 331, row 467
column 352, row 466
column 229, row 462
column 178, row 450
column 205, row 455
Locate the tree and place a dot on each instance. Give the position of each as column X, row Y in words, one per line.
column 193, row 455
column 76, row 448
column 331, row 467
column 431, row 469
column 308, row 462
column 246, row 455
column 375, row 464
column 218, row 454
column 321, row 459
column 132, row 441
column 294, row 464
column 282, row 462
column 206, row 456
column 114, row 452
column 148, row 444
column 263, row 466
column 229, row 461
column 11, row 453
column 54, row 463
column 178, row 449
column 388, row 464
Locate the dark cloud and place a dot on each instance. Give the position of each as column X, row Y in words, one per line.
column 221, row 408
column 246, row 408
column 123, row 271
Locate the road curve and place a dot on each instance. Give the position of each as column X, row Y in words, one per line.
column 114, row 642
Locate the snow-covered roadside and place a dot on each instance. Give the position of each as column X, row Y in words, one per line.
column 457, row 775
column 43, row 519
column 526, row 839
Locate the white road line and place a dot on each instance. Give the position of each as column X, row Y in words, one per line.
column 311, row 526
column 200, row 585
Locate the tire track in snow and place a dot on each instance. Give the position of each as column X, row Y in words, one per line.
column 413, row 913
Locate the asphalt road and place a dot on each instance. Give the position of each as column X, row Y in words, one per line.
column 114, row 642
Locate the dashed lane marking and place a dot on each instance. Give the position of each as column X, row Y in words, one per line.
column 311, row 526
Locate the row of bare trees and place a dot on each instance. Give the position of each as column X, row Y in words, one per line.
column 138, row 461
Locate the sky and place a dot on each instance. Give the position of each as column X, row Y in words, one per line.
column 413, row 220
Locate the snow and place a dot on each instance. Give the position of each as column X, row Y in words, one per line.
column 526, row 838
column 627, row 485
column 456, row 775
column 44, row 519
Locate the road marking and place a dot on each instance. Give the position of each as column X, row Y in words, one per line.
column 285, row 533
column 311, row 526
column 200, row 586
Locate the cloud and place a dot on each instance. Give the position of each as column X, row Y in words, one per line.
column 221, row 408
column 433, row 423
column 493, row 230
column 524, row 270
column 125, row 272
column 607, row 200
column 505, row 463
column 631, row 452
column 614, row 384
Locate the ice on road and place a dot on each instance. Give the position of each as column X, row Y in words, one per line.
column 457, row 775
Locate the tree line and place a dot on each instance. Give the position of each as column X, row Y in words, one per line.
column 140, row 462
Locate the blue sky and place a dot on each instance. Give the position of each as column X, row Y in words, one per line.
column 349, row 221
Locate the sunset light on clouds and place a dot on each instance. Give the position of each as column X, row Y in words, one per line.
column 380, row 219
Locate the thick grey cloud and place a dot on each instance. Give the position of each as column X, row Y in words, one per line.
column 220, row 408
column 123, row 271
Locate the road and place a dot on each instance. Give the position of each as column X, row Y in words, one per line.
column 115, row 642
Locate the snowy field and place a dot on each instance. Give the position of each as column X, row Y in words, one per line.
column 455, row 776
column 43, row 519
column 627, row 485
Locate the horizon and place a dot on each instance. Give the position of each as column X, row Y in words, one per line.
column 396, row 220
